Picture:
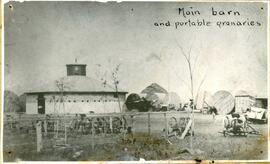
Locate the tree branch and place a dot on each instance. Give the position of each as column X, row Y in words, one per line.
column 198, row 90
column 194, row 64
column 188, row 60
column 182, row 79
column 182, row 50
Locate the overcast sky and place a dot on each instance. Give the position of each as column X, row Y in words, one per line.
column 41, row 37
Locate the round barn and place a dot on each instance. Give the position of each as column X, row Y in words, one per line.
column 75, row 93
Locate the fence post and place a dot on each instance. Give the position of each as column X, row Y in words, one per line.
column 123, row 122
column 103, row 128
column 39, row 136
column 149, row 124
column 57, row 128
column 65, row 134
column 166, row 126
column 123, row 126
column 132, row 124
column 93, row 131
column 54, row 128
column 45, row 127
column 111, row 126
column 11, row 122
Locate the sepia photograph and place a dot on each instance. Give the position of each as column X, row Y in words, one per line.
column 135, row 81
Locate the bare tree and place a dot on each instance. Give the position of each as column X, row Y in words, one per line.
column 114, row 78
column 11, row 102
column 192, row 64
column 116, row 82
column 62, row 87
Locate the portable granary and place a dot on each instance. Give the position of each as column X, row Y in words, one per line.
column 157, row 99
column 154, row 88
column 172, row 99
column 223, row 101
column 155, row 94
column 243, row 101
column 75, row 93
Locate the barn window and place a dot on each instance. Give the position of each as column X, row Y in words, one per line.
column 105, row 100
column 98, row 100
column 94, row 100
column 69, row 101
column 74, row 100
column 82, row 101
column 87, row 101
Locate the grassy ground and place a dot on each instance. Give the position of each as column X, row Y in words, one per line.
column 207, row 143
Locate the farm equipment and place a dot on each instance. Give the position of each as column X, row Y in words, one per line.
column 179, row 128
column 237, row 125
column 257, row 114
column 97, row 125
column 234, row 124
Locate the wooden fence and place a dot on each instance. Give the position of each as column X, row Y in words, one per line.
column 95, row 125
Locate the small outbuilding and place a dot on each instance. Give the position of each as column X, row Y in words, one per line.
column 243, row 101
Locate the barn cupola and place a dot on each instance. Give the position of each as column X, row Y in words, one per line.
column 76, row 69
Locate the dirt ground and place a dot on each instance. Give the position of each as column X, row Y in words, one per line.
column 207, row 143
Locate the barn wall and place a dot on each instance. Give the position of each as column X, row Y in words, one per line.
column 80, row 103
column 31, row 104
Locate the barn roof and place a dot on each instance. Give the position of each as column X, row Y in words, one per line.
column 75, row 84
column 154, row 88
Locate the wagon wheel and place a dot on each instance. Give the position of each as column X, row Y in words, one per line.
column 98, row 124
column 174, row 127
column 234, row 129
column 245, row 132
column 238, row 129
column 106, row 125
column 172, row 122
column 50, row 126
column 242, row 132
column 119, row 124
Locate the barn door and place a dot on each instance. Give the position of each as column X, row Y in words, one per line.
column 41, row 104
